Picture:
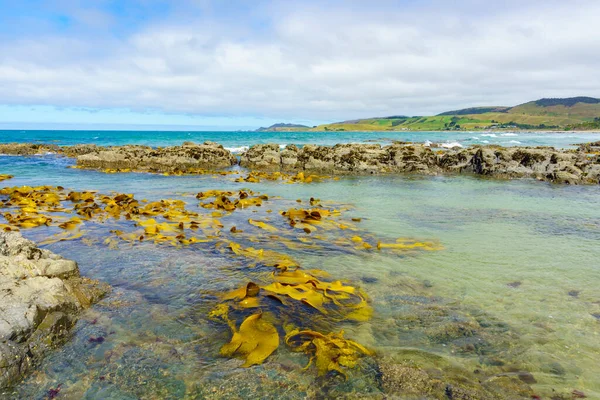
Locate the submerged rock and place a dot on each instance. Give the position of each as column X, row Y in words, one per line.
column 41, row 294
column 417, row 374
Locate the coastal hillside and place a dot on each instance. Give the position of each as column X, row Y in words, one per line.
column 283, row 128
column 574, row 113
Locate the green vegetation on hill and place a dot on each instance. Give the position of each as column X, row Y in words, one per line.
column 568, row 102
column 575, row 113
column 283, row 127
column 585, row 126
column 476, row 110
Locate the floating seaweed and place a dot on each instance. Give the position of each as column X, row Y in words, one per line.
column 255, row 340
column 329, row 352
column 287, row 294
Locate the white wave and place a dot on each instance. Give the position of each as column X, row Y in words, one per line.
column 427, row 143
column 489, row 134
column 515, row 142
column 450, row 145
column 508, row 134
column 475, row 138
column 485, row 141
column 239, row 149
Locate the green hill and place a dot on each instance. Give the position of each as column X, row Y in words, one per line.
column 575, row 113
column 476, row 110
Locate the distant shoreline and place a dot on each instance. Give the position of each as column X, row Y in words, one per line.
column 305, row 131
column 432, row 130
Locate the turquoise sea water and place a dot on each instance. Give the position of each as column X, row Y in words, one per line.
column 513, row 292
column 237, row 141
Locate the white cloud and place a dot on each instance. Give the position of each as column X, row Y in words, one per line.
column 319, row 63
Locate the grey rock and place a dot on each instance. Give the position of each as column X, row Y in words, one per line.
column 262, row 156
column 41, row 295
column 185, row 158
column 542, row 163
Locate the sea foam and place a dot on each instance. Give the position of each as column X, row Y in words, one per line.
column 237, row 150
column 450, row 145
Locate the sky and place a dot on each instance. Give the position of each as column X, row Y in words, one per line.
column 238, row 64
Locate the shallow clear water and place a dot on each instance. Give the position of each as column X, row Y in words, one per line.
column 240, row 140
column 520, row 257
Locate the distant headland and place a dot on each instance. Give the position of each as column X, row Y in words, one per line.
column 561, row 114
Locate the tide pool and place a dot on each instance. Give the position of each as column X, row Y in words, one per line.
column 512, row 293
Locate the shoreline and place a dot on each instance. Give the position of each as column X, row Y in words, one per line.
column 595, row 131
column 432, row 131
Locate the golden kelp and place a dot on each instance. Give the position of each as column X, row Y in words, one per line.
column 174, row 172
column 329, row 352
column 223, row 202
column 246, row 296
column 27, row 219
column 310, row 288
column 268, row 258
column 8, row 228
column 294, row 295
column 257, row 176
column 262, row 225
column 5, row 177
column 70, row 224
column 89, row 205
column 404, row 244
column 255, row 340
column 61, row 237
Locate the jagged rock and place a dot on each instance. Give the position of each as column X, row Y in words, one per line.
column 543, row 163
column 581, row 166
column 41, row 295
column 262, row 156
column 79, row 149
column 419, row 159
column 366, row 158
column 289, row 157
column 163, row 159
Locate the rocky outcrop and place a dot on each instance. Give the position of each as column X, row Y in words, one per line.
column 543, row 163
column 28, row 149
column 188, row 157
column 592, row 147
column 41, row 295
column 32, row 149
column 262, row 156
column 79, row 149
column 580, row 166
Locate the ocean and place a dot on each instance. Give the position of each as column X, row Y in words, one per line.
column 239, row 141
column 508, row 289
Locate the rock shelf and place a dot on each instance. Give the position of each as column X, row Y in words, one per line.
column 574, row 166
